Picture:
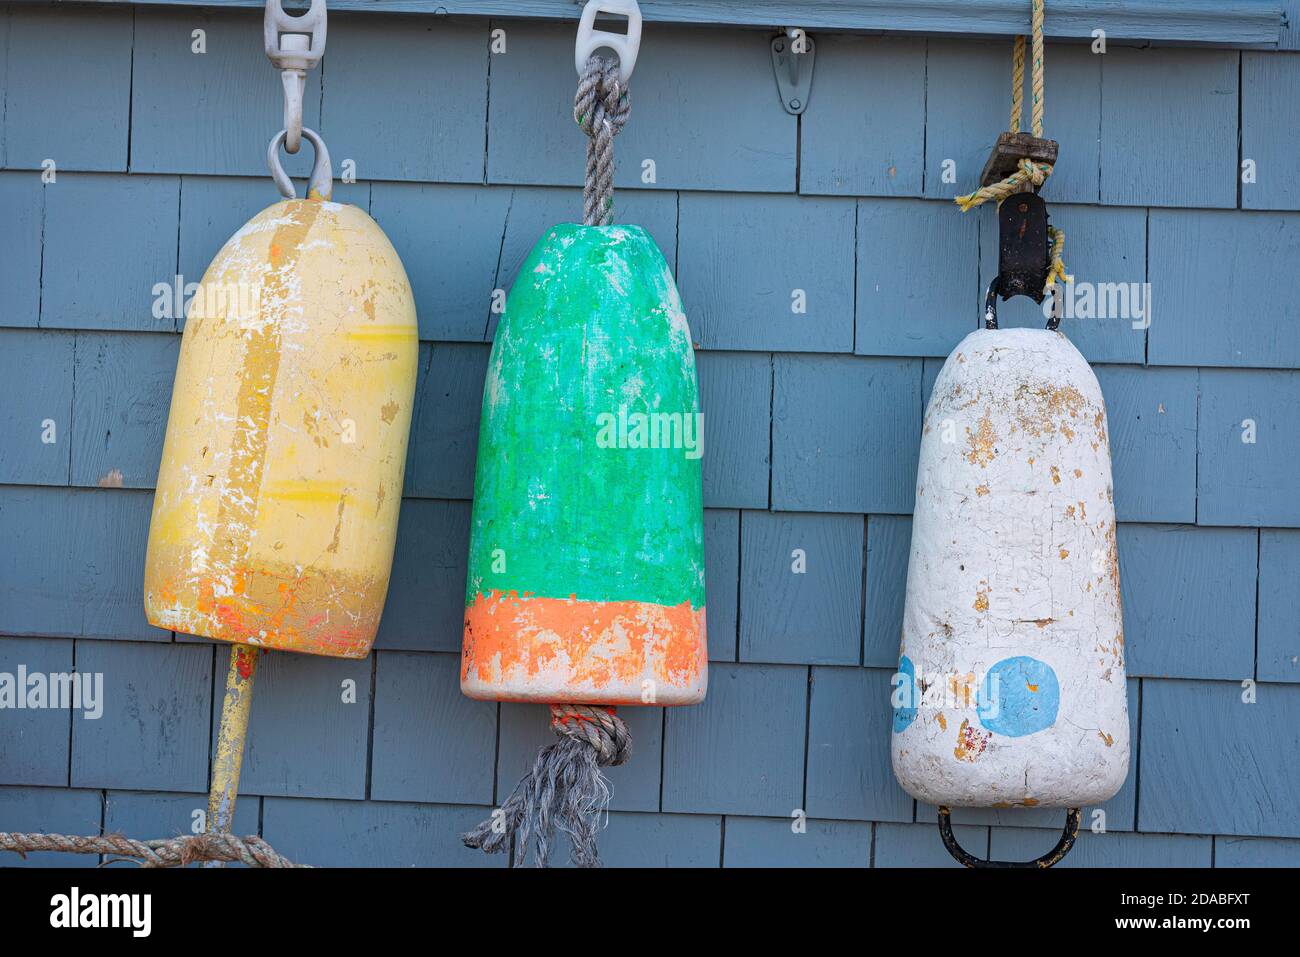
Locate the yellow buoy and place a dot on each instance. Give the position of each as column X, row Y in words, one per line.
column 276, row 508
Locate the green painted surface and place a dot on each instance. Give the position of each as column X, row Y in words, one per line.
column 569, row 498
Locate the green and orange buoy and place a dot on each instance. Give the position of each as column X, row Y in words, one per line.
column 586, row 565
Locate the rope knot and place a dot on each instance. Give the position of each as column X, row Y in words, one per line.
column 602, row 103
column 598, row 726
column 1035, row 173
column 600, row 108
column 564, row 792
column 1027, row 173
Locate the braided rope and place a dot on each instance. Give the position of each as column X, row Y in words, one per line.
column 166, row 852
column 1037, row 76
column 564, row 789
column 1028, row 173
column 599, row 726
column 1057, row 269
column 601, row 107
column 1017, row 83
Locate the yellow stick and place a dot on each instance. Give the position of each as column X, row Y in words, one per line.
column 230, row 738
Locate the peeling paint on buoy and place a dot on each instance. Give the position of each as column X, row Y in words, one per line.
column 586, row 564
column 276, row 508
column 1011, row 685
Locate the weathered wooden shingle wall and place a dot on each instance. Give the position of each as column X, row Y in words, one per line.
column 812, row 419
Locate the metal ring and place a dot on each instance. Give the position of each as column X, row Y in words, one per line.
column 991, row 306
column 1049, row 859
column 321, row 184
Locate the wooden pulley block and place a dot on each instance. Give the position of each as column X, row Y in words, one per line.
column 1010, row 149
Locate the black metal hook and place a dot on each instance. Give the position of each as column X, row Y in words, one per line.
column 1049, row 859
column 991, row 306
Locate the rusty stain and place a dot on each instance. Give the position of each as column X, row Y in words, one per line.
column 1056, row 475
column 1109, row 739
column 1037, row 408
column 111, row 479
column 971, row 742
column 943, row 722
column 388, row 412
column 981, row 490
column 311, row 421
column 981, row 600
column 982, row 441
column 962, row 689
column 333, row 546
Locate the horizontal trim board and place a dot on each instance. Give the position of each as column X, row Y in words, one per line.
column 1217, row 22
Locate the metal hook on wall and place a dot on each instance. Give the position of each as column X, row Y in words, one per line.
column 793, row 56
column 626, row 46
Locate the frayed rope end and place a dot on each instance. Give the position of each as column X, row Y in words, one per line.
column 564, row 790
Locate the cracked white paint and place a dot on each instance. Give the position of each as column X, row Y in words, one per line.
column 1013, row 556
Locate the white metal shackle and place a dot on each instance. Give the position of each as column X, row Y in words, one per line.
column 321, row 183
column 625, row 46
column 294, row 45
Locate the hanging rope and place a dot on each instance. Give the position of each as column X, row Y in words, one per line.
column 168, row 852
column 1028, row 174
column 1057, row 269
column 601, row 107
column 565, row 789
column 1017, row 83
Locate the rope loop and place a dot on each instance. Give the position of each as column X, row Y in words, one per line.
column 1028, row 173
column 600, row 107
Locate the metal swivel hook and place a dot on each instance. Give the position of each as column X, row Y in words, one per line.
column 294, row 45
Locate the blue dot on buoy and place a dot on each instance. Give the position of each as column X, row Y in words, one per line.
column 1019, row 696
column 904, row 694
